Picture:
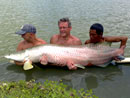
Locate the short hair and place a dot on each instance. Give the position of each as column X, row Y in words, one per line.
column 65, row 20
column 98, row 27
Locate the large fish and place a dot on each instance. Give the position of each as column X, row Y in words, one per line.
column 80, row 56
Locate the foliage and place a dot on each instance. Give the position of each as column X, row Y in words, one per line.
column 50, row 89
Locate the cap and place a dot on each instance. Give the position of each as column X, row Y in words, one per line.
column 27, row 28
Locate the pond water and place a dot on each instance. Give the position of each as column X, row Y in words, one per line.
column 109, row 82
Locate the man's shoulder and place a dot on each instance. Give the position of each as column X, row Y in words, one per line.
column 87, row 41
column 22, row 42
column 42, row 41
column 21, row 45
column 55, row 36
column 74, row 38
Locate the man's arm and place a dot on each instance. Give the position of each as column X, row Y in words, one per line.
column 19, row 63
column 53, row 39
column 122, row 39
column 19, row 48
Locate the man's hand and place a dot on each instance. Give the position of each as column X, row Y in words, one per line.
column 120, row 52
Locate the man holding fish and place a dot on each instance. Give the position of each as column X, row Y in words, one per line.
column 28, row 33
column 96, row 36
column 64, row 38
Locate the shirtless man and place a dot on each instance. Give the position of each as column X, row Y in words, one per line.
column 64, row 37
column 96, row 37
column 28, row 33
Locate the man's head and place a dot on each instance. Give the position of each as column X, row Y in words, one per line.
column 65, row 20
column 98, row 27
column 64, row 27
column 96, row 32
column 27, row 28
column 27, row 32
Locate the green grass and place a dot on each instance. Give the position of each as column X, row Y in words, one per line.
column 50, row 89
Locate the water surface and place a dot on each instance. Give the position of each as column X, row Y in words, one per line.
column 109, row 82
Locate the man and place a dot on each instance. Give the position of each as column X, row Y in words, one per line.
column 64, row 37
column 28, row 33
column 96, row 37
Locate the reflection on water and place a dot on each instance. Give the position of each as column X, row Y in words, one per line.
column 87, row 79
column 91, row 82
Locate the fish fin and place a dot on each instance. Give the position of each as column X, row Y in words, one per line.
column 113, row 63
column 44, row 63
column 79, row 65
column 43, row 60
column 105, row 63
column 27, row 65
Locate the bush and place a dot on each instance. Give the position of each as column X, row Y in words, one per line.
column 50, row 89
